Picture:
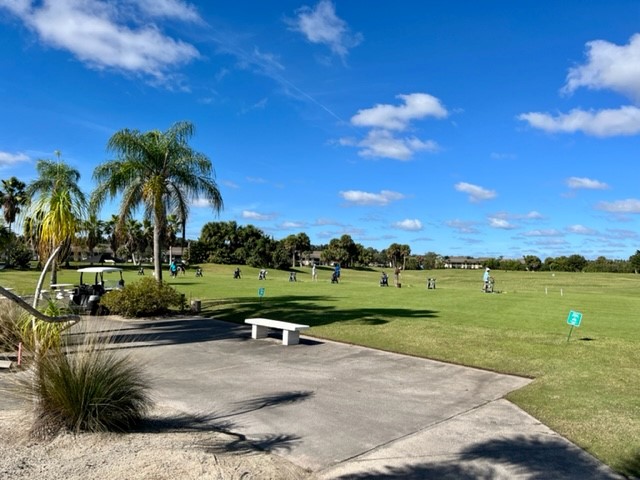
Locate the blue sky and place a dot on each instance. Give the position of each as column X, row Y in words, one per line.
column 493, row 128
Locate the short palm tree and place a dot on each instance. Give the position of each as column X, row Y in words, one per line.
column 92, row 229
column 161, row 172
column 57, row 208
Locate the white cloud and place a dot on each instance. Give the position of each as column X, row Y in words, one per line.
column 608, row 66
column 500, row 223
column 411, row 225
column 581, row 230
column 391, row 117
column 382, row 144
column 358, row 197
column 201, row 202
column 586, row 183
column 603, row 123
column 321, row 25
column 251, row 215
column 383, row 120
column 475, row 192
column 102, row 35
column 630, row 205
column 8, row 159
column 291, row 225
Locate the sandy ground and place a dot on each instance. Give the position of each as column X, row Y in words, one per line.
column 169, row 446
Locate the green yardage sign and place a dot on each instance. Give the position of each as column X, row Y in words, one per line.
column 574, row 318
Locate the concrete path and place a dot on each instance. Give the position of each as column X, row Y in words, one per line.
column 347, row 412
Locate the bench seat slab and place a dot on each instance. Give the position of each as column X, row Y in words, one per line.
column 290, row 331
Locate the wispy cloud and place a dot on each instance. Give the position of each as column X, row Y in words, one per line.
column 544, row 233
column 289, row 225
column 382, row 144
column 265, row 64
column 321, row 25
column 475, row 192
column 411, row 225
column 321, row 222
column 358, row 197
column 252, row 215
column 603, row 123
column 581, row 230
column 8, row 159
column 630, row 205
column 230, row 184
column 501, row 223
column 463, row 226
column 120, row 36
column 586, row 183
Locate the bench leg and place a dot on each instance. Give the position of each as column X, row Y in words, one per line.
column 258, row 331
column 290, row 338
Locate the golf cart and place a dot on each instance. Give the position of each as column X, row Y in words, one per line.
column 86, row 296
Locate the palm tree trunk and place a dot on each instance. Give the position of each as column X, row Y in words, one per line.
column 157, row 251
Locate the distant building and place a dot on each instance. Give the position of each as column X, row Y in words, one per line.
column 464, row 263
column 312, row 258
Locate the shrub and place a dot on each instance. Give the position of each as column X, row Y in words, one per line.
column 146, row 297
column 89, row 389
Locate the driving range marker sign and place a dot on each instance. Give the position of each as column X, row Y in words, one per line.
column 574, row 319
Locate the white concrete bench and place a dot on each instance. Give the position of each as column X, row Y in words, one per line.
column 290, row 331
column 6, row 363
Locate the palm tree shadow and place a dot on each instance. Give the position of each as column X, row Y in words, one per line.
column 521, row 456
column 222, row 423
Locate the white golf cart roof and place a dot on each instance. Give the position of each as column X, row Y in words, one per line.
column 99, row 269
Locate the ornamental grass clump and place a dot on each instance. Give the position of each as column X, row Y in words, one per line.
column 88, row 388
column 10, row 322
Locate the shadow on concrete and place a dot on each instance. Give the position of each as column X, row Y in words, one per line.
column 266, row 401
column 171, row 331
column 521, row 457
column 209, row 422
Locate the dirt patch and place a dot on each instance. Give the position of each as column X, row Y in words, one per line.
column 168, row 446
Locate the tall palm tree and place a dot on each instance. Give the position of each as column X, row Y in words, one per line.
column 12, row 198
column 57, row 208
column 160, row 171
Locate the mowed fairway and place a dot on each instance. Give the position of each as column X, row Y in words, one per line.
column 587, row 389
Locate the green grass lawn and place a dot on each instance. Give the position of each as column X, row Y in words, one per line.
column 587, row 389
